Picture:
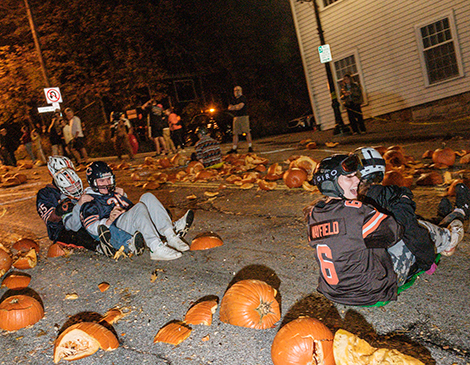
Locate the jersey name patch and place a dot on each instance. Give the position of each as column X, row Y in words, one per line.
column 327, row 228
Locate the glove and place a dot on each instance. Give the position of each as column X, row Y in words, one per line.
column 65, row 206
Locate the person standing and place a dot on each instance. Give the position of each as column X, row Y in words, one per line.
column 351, row 95
column 7, row 148
column 77, row 135
column 120, row 128
column 176, row 129
column 68, row 140
column 241, row 120
column 156, row 125
column 55, row 134
column 27, row 141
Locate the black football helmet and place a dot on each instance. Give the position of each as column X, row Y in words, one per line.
column 329, row 169
column 97, row 170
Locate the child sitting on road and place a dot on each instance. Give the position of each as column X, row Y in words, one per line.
column 110, row 206
column 360, row 251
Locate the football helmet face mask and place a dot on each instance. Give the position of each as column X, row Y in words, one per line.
column 372, row 167
column 330, row 169
column 69, row 183
column 57, row 163
column 99, row 170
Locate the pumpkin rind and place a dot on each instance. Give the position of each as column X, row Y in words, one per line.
column 201, row 313
column 5, row 262
column 301, row 342
column 173, row 333
column 16, row 281
column 251, row 304
column 55, row 250
column 26, row 261
column 25, row 245
column 83, row 339
column 19, row 311
column 205, row 242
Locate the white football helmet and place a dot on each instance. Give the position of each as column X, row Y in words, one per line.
column 57, row 163
column 69, row 183
column 372, row 166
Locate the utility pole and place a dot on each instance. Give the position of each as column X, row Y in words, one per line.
column 340, row 127
column 36, row 43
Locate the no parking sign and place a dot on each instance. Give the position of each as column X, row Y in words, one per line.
column 53, row 95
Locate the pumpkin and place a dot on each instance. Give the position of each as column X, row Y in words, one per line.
column 173, row 333
column 394, row 158
column 251, row 304
column 103, row 286
column 55, row 250
column 19, row 311
column 16, row 280
column 24, row 245
column 429, row 179
column 349, row 349
column 295, row 177
column 451, row 188
column 5, row 262
column 307, row 164
column 444, row 156
column 311, row 145
column 274, row 172
column 21, row 177
column 265, row 185
column 165, row 162
column 205, row 241
column 26, row 261
column 303, row 341
column 113, row 315
column 201, row 313
column 83, row 339
column 427, row 154
column 393, row 178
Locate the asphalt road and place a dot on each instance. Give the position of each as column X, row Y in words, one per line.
column 264, row 238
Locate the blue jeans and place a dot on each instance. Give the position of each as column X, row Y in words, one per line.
column 118, row 238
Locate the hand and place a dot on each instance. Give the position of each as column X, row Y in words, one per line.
column 120, row 191
column 84, row 199
column 115, row 213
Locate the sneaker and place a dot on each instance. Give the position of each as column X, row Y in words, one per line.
column 232, row 151
column 250, row 149
column 450, row 218
column 183, row 224
column 462, row 198
column 444, row 208
column 105, row 247
column 456, row 236
column 164, row 253
column 178, row 244
column 137, row 244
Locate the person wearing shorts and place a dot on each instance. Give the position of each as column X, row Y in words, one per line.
column 241, row 120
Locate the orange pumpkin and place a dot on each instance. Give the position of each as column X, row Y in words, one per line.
column 24, row 245
column 444, row 156
column 113, row 315
column 173, row 333
column 394, row 158
column 16, row 280
column 295, row 177
column 5, row 262
column 265, row 185
column 451, row 188
column 205, row 241
column 103, row 286
column 55, row 250
column 274, row 172
column 26, row 261
column 303, row 341
column 251, row 304
column 83, row 339
column 201, row 313
column 19, row 311
column 429, row 179
column 393, row 178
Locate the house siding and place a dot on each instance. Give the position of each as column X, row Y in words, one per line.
column 383, row 35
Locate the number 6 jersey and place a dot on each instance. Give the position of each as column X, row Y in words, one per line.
column 351, row 240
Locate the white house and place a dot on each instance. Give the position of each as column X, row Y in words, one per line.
column 411, row 57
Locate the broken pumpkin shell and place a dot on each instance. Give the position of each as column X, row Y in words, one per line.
column 24, row 245
column 201, row 313
column 26, row 261
column 265, row 185
column 250, row 304
column 103, row 286
column 429, row 179
column 173, row 333
column 451, row 188
column 16, row 280
column 19, row 311
column 55, row 250
column 5, row 262
column 303, row 341
column 444, row 156
column 113, row 315
column 83, row 339
column 205, row 241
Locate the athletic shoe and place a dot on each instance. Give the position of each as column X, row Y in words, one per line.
column 177, row 243
column 250, row 149
column 137, row 244
column 164, row 253
column 105, row 246
column 444, row 207
column 232, row 151
column 451, row 217
column 183, row 224
column 462, row 198
column 456, row 236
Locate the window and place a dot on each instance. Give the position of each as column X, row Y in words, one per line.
column 439, row 50
column 349, row 65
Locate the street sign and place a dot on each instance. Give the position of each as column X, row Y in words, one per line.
column 325, row 53
column 53, row 95
column 46, row 109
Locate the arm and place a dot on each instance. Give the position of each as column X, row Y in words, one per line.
column 90, row 218
column 380, row 230
column 71, row 219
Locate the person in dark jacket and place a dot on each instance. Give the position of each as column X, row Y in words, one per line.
column 8, row 148
column 351, row 96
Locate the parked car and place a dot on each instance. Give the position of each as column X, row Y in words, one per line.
column 218, row 123
column 305, row 122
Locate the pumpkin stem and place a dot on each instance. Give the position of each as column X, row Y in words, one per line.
column 263, row 309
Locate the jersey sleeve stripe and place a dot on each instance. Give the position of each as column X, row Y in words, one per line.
column 372, row 224
column 90, row 220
